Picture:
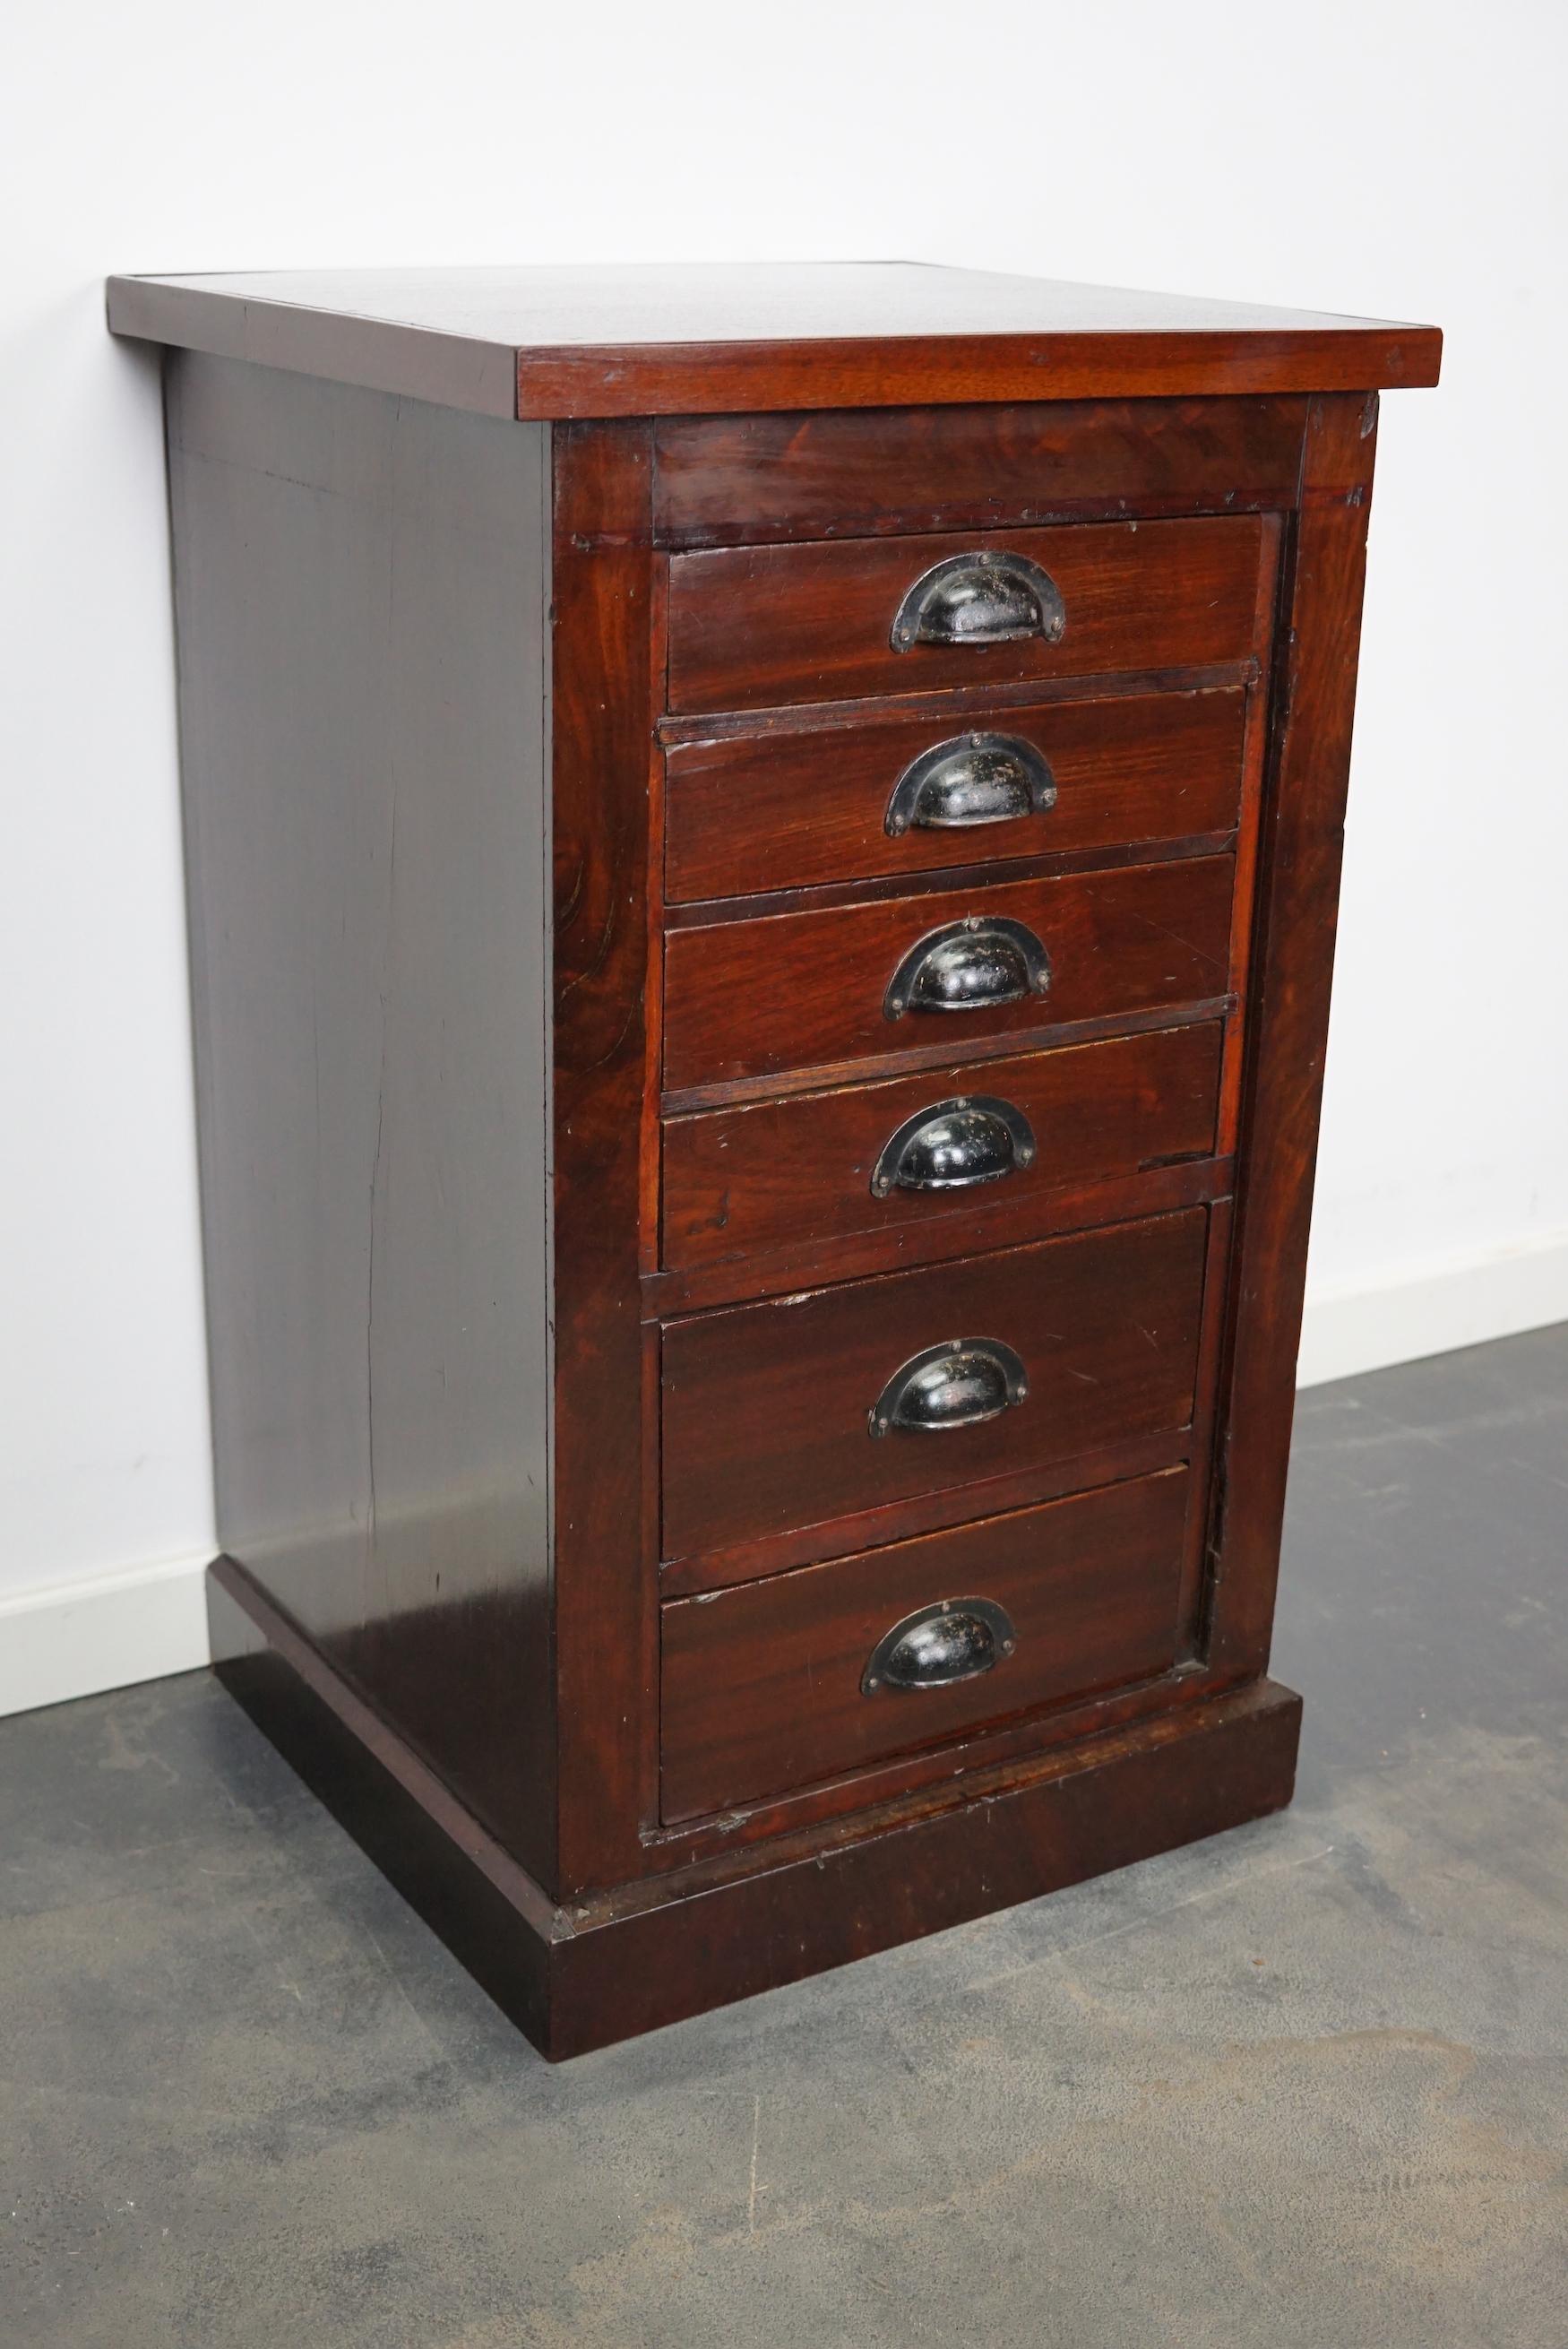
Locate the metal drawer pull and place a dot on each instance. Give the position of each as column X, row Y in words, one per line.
column 988, row 598
column 956, row 1384
column 969, row 966
column 974, row 780
column 956, row 1639
column 955, row 1144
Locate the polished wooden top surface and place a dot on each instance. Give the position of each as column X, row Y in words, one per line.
column 609, row 341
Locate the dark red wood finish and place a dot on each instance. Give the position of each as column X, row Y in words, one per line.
column 783, row 811
column 555, row 342
column 714, row 1300
column 844, row 373
column 1301, row 845
column 975, row 703
column 375, row 1167
column 765, row 1407
column 603, row 715
column 958, row 1503
column 756, row 1177
column 993, row 1222
column 727, row 480
column 762, row 1686
column 723, row 1928
column 803, row 991
column 755, row 627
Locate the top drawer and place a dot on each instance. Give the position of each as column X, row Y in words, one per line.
column 757, row 628
column 866, row 472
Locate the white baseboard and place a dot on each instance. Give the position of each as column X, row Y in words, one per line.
column 74, row 1639
column 145, row 1621
column 1433, row 1311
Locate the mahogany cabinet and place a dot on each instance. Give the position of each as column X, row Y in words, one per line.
column 762, row 849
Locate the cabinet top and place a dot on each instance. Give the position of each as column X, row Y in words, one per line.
column 714, row 339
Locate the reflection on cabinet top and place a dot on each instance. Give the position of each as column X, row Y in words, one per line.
column 645, row 341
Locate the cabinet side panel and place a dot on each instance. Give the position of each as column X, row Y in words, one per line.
column 361, row 588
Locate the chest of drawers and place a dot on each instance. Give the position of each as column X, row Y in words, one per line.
column 763, row 851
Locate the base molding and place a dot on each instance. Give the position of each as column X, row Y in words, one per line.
column 582, row 1977
column 67, row 1640
column 1433, row 1309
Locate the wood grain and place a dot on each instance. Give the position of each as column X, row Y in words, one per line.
column 765, row 1406
column 602, row 715
column 1300, row 849
column 739, row 1180
column 582, row 1977
column 956, row 702
column 761, row 1684
column 757, row 627
column 364, row 789
column 784, row 810
column 550, row 1297
column 715, row 378
column 805, row 1262
column 752, row 1558
column 864, row 472
column 798, row 990
column 650, row 341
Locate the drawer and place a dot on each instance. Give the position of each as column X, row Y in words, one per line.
column 784, row 810
column 892, row 1157
column 757, row 627
column 861, row 472
column 771, row 1410
column 752, row 998
column 764, row 1686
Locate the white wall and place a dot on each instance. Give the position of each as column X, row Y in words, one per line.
column 1395, row 158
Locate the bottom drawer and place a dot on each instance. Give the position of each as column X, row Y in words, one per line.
column 765, row 1685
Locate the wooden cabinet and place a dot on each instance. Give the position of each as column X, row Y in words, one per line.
column 763, row 850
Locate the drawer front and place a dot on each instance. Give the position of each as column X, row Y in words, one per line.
column 759, row 627
column 769, row 1409
column 749, row 998
column 892, row 1157
column 763, row 1686
column 858, row 472
column 783, row 811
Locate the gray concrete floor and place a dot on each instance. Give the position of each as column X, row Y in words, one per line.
column 1304, row 2084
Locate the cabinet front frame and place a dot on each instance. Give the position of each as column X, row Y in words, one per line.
column 608, row 685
